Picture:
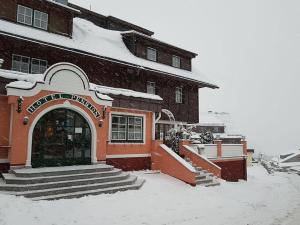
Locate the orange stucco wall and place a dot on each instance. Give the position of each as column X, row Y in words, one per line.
column 4, row 127
column 136, row 148
column 166, row 163
column 20, row 132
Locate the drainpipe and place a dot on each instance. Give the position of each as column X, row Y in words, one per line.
column 155, row 120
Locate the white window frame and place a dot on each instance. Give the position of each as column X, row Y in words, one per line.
column 151, row 87
column 134, row 128
column 38, row 21
column 179, row 95
column 20, row 67
column 111, row 141
column 118, row 124
column 28, row 13
column 176, row 61
column 152, row 54
column 39, row 65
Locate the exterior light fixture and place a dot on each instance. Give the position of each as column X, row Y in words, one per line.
column 25, row 120
column 100, row 123
column 20, row 102
column 103, row 112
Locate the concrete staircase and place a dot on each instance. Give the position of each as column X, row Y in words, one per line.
column 67, row 182
column 203, row 177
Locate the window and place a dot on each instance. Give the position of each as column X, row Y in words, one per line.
column 20, row 63
column 179, row 95
column 40, row 20
column 151, row 87
column 151, row 54
column 38, row 65
column 24, row 15
column 176, row 61
column 119, row 128
column 126, row 128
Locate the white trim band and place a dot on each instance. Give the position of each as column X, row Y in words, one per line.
column 128, row 156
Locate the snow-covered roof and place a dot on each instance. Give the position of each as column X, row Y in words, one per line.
column 27, row 81
column 110, row 46
column 227, row 136
column 210, row 119
column 62, row 5
column 124, row 92
column 293, row 157
column 156, row 40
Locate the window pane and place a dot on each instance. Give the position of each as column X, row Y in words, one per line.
column 38, row 66
column 131, row 136
column 138, row 136
column 131, row 120
column 115, row 119
column 122, row 135
column 114, row 135
column 122, row 127
column 24, row 15
column 123, row 120
column 176, row 61
column 151, row 54
column 138, row 121
column 21, row 9
column 40, row 19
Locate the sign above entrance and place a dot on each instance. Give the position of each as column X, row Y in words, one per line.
column 37, row 104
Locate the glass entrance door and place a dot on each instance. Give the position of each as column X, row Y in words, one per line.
column 61, row 137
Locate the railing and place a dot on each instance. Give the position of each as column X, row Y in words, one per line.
column 232, row 150
column 199, row 160
column 219, row 150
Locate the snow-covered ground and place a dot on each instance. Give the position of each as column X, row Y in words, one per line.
column 263, row 199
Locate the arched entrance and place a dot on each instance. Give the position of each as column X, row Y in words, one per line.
column 61, row 137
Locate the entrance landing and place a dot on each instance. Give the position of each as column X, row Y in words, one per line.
column 67, row 182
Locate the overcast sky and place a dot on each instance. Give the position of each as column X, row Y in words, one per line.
column 250, row 48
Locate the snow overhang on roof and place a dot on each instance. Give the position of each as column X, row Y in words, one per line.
column 110, row 47
column 28, row 81
column 133, row 32
column 63, row 6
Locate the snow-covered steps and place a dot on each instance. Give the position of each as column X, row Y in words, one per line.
column 203, row 177
column 67, row 182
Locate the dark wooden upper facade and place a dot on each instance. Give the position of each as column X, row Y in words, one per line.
column 100, row 70
column 60, row 19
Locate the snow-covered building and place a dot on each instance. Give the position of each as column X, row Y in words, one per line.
column 221, row 126
column 290, row 160
column 80, row 88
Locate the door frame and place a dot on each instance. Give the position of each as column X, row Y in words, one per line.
column 65, row 105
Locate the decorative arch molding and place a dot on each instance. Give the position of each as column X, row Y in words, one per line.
column 61, row 77
column 66, row 105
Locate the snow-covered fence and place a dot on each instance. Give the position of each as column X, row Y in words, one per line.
column 210, row 151
column 207, row 150
column 232, row 150
column 213, row 151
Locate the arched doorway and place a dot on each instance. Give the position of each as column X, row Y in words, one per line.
column 61, row 137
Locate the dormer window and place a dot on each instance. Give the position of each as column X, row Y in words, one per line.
column 24, row 15
column 151, row 87
column 40, row 20
column 176, row 61
column 34, row 18
column 152, row 54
